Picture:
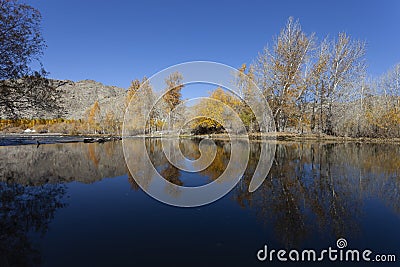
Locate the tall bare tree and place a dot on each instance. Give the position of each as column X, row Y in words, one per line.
column 279, row 71
column 346, row 67
column 316, row 85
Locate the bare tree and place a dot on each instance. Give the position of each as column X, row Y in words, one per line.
column 346, row 67
column 21, row 43
column 30, row 93
column 316, row 85
column 390, row 83
column 383, row 108
column 279, row 71
column 20, row 38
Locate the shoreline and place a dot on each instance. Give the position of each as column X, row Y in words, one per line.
column 16, row 139
column 293, row 137
column 51, row 138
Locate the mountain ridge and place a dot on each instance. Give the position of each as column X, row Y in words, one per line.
column 75, row 98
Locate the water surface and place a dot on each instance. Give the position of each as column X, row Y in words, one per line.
column 77, row 204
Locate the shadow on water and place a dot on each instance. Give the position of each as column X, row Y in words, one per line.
column 32, row 189
column 25, row 209
column 314, row 193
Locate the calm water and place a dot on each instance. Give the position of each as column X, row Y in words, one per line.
column 77, row 205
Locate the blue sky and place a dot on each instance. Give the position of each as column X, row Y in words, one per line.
column 117, row 41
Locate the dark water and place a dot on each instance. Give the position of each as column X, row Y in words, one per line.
column 77, row 205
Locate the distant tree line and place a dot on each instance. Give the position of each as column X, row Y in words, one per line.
column 322, row 87
column 315, row 87
column 157, row 104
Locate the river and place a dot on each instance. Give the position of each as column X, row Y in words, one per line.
column 77, row 204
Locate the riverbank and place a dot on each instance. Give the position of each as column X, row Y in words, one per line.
column 293, row 137
column 52, row 138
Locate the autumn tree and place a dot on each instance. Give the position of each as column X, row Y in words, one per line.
column 245, row 82
column 93, row 117
column 213, row 115
column 132, row 90
column 311, row 87
column 173, row 95
column 279, row 71
column 142, row 97
column 110, row 124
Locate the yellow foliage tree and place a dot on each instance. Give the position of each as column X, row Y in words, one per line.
column 174, row 87
column 93, row 117
column 212, row 113
column 132, row 90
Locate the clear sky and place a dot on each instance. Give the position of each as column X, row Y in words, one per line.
column 114, row 42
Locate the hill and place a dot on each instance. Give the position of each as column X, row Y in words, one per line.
column 78, row 97
column 75, row 99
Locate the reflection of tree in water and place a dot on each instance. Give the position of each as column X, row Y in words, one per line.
column 311, row 187
column 94, row 156
column 220, row 162
column 171, row 174
column 321, row 186
column 138, row 164
column 24, row 209
column 59, row 163
column 161, row 163
column 334, row 195
column 190, row 149
column 279, row 199
column 132, row 181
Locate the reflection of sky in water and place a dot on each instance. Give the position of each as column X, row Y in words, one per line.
column 314, row 194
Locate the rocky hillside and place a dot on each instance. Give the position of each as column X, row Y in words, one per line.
column 76, row 98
